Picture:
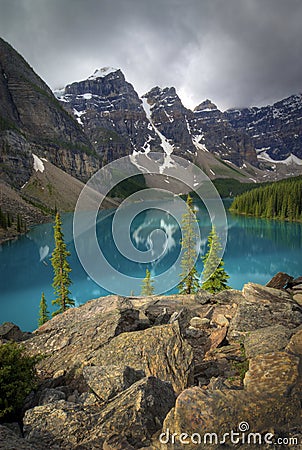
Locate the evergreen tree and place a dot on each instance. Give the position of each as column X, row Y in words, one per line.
column 8, row 220
column 214, row 276
column 43, row 312
column 3, row 220
column 19, row 223
column 147, row 286
column 17, row 380
column 189, row 280
column 61, row 281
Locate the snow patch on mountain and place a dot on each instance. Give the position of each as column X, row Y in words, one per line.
column 196, row 142
column 38, row 164
column 78, row 115
column 290, row 160
column 59, row 94
column 165, row 144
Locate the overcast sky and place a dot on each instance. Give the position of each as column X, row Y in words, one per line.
column 234, row 52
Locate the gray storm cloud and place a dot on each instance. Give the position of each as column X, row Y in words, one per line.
column 235, row 52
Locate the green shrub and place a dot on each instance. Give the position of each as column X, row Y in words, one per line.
column 17, row 379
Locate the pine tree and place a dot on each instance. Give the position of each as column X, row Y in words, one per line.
column 3, row 220
column 8, row 220
column 19, row 223
column 61, row 281
column 214, row 276
column 147, row 286
column 43, row 312
column 189, row 280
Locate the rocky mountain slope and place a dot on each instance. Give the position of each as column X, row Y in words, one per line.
column 111, row 113
column 33, row 121
column 274, row 130
column 220, row 360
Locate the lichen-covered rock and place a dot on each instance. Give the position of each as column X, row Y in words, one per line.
column 264, row 307
column 103, row 381
column 11, row 441
column 71, row 339
column 167, row 305
column 159, row 351
column 266, row 340
column 298, row 297
column 275, row 373
column 107, row 381
column 221, row 320
column 135, row 415
column 295, row 344
column 257, row 293
column 198, row 411
column 230, row 297
column 269, row 401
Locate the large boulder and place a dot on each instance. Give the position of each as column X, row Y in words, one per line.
column 70, row 340
column 269, row 403
column 266, row 340
column 134, row 415
column 11, row 332
column 273, row 373
column 199, row 413
column 107, row 381
column 280, row 281
column 295, row 344
column 159, row 351
column 263, row 307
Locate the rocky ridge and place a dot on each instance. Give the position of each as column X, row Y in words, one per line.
column 128, row 373
column 111, row 113
column 119, row 123
column 33, row 121
column 113, row 116
column 274, row 130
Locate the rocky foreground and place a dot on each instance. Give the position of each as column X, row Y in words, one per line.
column 131, row 373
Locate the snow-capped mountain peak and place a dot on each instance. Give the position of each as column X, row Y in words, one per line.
column 102, row 73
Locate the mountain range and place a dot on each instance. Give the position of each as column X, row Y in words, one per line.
column 76, row 130
column 118, row 123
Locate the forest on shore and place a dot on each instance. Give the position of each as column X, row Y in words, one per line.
column 279, row 200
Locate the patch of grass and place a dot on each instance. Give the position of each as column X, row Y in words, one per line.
column 43, row 208
column 6, row 124
column 228, row 166
column 241, row 367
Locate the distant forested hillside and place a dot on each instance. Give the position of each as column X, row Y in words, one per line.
column 279, row 200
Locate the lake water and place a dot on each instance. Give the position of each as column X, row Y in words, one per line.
column 256, row 250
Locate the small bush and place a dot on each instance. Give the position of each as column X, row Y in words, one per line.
column 17, row 379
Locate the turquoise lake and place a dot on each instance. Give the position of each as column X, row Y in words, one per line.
column 256, row 250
